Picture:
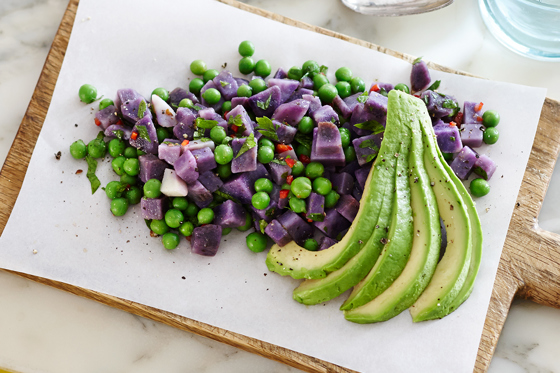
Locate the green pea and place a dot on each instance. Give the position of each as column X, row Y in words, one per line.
column 140, row 152
column 344, row 89
column 311, row 244
column 349, row 153
column 212, row 96
column 331, row 199
column 491, row 135
column 97, row 148
column 264, row 185
column 256, row 242
column 196, row 85
column 209, row 75
column 297, row 205
column 246, row 65
column 180, row 203
column 295, row 73
column 327, row 93
column 198, row 67
column 298, row 168
column 162, row 134
column 152, row 188
column 133, row 195
column 116, row 147
column 131, row 166
column 260, row 200
column 248, row 223
column 306, row 125
column 357, row 84
column 114, row 189
column 244, row 91
column 118, row 164
column 186, row 229
column 205, row 216
column 301, row 187
column 322, row 186
column 78, row 149
column 262, row 68
column 174, row 218
column 226, row 106
column 266, row 142
column 224, row 170
column 159, row 227
column 246, row 48
column 226, row 231
column 130, row 152
column 402, row 87
column 490, row 118
column 319, row 80
column 286, row 186
column 170, row 240
column 162, row 93
column 87, row 93
column 186, row 102
column 192, row 210
column 343, row 74
column 345, row 136
column 129, row 180
column 223, row 154
column 310, row 67
column 314, row 170
column 218, row 134
column 106, row 102
column 257, row 85
column 119, row 206
column 479, row 187
column 265, row 154
column 303, row 150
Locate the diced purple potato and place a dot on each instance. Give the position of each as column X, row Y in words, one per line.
column 110, row 131
column 247, row 122
column 299, row 93
column 186, row 167
column 326, row 242
column 267, row 214
column 325, row 114
column 184, row 130
column 226, row 84
column 229, row 215
column 291, row 112
column 306, row 82
column 448, row 138
column 241, row 81
column 153, row 208
column 364, row 152
column 206, row 240
column 315, row 207
column 246, row 161
column 348, row 207
column 259, row 173
column 287, row 87
column 419, row 77
column 342, row 183
column 107, row 117
column 124, row 95
column 210, row 114
column 279, row 172
column 470, row 114
column 198, row 144
column 151, row 167
column 342, row 107
column 205, row 160
column 297, row 228
column 149, row 145
column 207, row 86
column 172, row 185
column 361, row 176
column 283, row 202
column 199, row 194
column 375, row 108
column 240, row 101
column 288, row 154
column 280, row 74
column 471, row 135
column 178, row 94
column 435, row 103
column 240, row 187
column 357, row 193
column 352, row 101
column 275, row 194
column 165, row 115
column 258, row 102
column 326, row 146
column 484, row 167
column 210, row 181
column 285, row 132
column 256, row 223
column 169, row 150
column 277, row 233
column 333, row 225
column 388, row 87
column 464, row 162
column 129, row 110
column 314, row 103
column 350, row 167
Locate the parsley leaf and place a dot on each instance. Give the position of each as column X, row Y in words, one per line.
column 196, row 107
column 141, row 109
column 279, row 161
column 92, row 167
column 369, row 144
column 119, row 134
column 237, row 121
column 270, row 212
column 143, row 133
column 227, row 140
column 323, row 69
column 264, row 105
column 225, row 196
column 363, row 97
column 316, row 217
column 305, row 140
column 223, row 83
column 371, row 157
column 417, row 60
column 205, row 123
column 262, row 225
column 267, row 128
column 434, row 86
column 371, row 125
column 249, row 143
column 100, row 135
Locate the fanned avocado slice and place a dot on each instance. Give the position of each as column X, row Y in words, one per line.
column 425, row 246
column 451, row 273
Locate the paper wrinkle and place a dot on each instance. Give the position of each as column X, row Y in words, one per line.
column 79, row 242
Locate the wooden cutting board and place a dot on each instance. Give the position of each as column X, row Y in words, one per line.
column 529, row 267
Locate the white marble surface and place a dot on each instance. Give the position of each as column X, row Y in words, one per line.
column 47, row 330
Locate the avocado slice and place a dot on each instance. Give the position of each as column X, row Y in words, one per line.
column 424, row 253
column 451, row 272
column 395, row 218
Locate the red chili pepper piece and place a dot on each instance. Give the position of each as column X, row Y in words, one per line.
column 309, row 221
column 185, row 143
column 478, row 107
column 458, row 119
column 234, row 128
column 281, row 148
column 284, row 193
column 225, row 114
column 134, row 135
column 478, row 118
column 304, row 159
column 290, row 162
column 375, row 88
column 289, row 179
column 97, row 122
column 452, row 124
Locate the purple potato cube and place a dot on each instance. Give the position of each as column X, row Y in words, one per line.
column 470, row 114
column 210, row 84
column 352, row 101
column 240, row 101
column 348, row 207
column 326, row 242
column 279, row 172
column 351, row 167
column 440, row 106
column 367, row 147
column 325, row 114
column 298, row 229
column 245, row 119
column 210, row 181
column 229, row 214
column 111, row 131
column 169, row 150
column 333, row 225
column 287, row 87
column 275, row 194
column 106, row 117
column 267, row 214
column 472, row 135
column 285, row 132
column 386, row 87
column 149, row 144
column 240, row 187
column 199, row 194
column 246, row 161
column 184, row 130
column 206, row 240
column 315, row 207
column 210, row 114
column 291, row 112
column 420, row 76
column 151, row 167
column 374, row 109
column 362, row 175
column 342, row 183
column 129, row 110
column 326, row 146
column 186, row 168
column 342, row 107
column 264, row 103
column 484, row 167
column 306, row 82
column 314, row 103
column 277, row 233
column 205, row 160
column 240, row 82
column 464, row 162
column 124, row 95
column 448, row 138
column 226, row 84
column 280, row 74
column 153, row 208
column 299, row 93
column 178, row 94
column 357, row 193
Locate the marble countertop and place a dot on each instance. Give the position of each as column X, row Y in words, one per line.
column 47, row 330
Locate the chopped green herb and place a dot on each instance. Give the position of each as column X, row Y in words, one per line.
column 262, row 225
column 363, row 97
column 237, row 121
column 223, row 83
column 369, row 144
column 141, row 109
column 247, row 145
column 119, row 134
column 270, row 212
column 279, row 161
column 267, row 128
column 452, row 138
column 316, row 217
column 92, row 167
column 205, row 123
column 371, row 125
column 417, row 60
column 225, row 196
column 383, row 92
column 143, row 133
column 264, row 105
column 305, row 140
column 371, row 157
column 323, row 69
column 227, row 140
column 196, row 107
column 434, row 86
column 100, row 135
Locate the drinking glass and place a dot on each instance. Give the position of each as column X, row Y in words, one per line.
column 395, row 7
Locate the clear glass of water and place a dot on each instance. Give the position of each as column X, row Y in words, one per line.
column 528, row 27
column 393, row 8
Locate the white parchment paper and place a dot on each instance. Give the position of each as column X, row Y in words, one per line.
column 149, row 44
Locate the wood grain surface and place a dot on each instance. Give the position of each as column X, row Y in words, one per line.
column 529, row 267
